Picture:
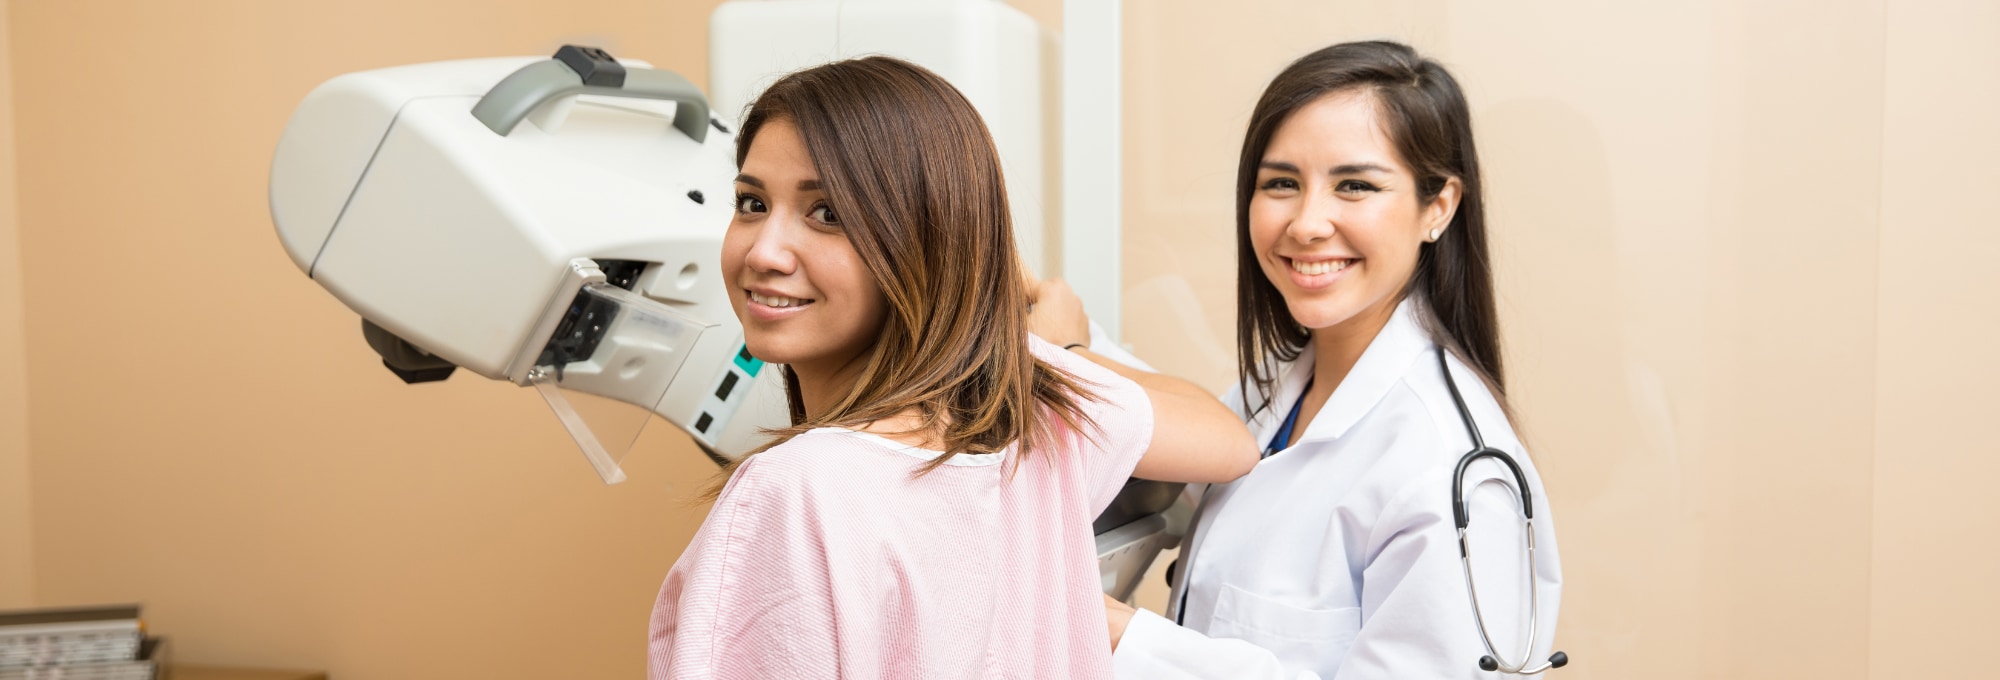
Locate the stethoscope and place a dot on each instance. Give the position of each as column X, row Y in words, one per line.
column 1461, row 517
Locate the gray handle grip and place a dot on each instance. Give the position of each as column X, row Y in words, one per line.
column 513, row 98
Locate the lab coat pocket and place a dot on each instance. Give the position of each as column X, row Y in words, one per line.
column 1302, row 638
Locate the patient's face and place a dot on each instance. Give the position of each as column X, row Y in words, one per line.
column 803, row 294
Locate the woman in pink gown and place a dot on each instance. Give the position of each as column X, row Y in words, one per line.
column 928, row 513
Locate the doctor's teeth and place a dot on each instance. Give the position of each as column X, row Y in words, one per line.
column 775, row 301
column 1320, row 267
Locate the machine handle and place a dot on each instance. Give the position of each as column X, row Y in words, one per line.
column 588, row 70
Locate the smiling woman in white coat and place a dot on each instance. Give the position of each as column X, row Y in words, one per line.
column 1362, row 255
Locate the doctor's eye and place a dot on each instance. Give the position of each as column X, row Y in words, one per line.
column 1355, row 186
column 1279, row 184
column 746, row 204
column 823, row 214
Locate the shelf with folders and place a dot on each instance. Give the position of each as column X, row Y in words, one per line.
column 82, row 643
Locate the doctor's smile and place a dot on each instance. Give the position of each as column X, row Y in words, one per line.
column 1312, row 274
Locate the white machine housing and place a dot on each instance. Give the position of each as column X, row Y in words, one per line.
column 388, row 192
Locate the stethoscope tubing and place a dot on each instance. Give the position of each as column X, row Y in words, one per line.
column 1534, row 609
column 1462, row 517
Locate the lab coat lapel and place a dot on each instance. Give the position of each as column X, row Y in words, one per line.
column 1292, row 378
column 1402, row 341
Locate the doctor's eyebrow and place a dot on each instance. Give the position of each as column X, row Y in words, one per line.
column 1348, row 169
column 1357, row 168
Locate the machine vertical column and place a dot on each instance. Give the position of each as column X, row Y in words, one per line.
column 1092, row 190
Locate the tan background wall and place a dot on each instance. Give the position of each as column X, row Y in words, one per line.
column 16, row 544
column 1933, row 588
column 1740, row 250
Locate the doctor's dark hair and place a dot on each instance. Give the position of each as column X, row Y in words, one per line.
column 908, row 165
column 1425, row 115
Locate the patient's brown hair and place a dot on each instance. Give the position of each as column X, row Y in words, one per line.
column 908, row 165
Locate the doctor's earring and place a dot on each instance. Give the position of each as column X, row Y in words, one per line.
column 1435, row 233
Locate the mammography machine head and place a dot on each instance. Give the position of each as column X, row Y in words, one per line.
column 548, row 222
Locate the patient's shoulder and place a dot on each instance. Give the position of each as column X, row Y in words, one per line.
column 791, row 462
column 816, row 459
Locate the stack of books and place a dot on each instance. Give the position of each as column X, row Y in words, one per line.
column 89, row 643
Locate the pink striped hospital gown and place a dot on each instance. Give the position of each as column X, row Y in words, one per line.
column 824, row 558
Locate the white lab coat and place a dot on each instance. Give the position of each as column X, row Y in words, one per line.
column 1337, row 558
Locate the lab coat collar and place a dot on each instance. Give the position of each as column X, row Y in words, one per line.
column 1401, row 342
column 1289, row 387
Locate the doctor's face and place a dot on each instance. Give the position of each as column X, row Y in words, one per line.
column 803, row 294
column 1336, row 220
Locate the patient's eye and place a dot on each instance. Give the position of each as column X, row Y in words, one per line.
column 823, row 214
column 747, row 204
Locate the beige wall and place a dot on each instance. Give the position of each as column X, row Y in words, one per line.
column 1933, row 589
column 1749, row 378
column 16, row 543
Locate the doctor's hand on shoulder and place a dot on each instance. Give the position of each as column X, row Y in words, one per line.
column 1195, row 437
column 1056, row 314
